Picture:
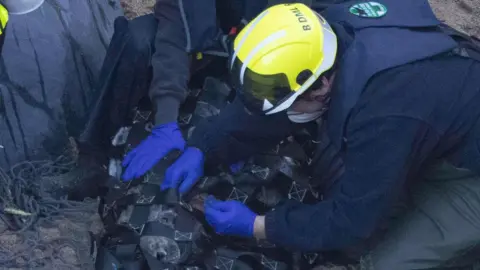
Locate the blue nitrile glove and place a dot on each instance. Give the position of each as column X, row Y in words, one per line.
column 237, row 167
column 229, row 217
column 185, row 171
column 164, row 139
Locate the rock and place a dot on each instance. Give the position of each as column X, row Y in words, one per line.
column 49, row 64
column 68, row 255
column 9, row 239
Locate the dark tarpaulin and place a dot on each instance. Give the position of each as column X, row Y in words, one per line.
column 48, row 70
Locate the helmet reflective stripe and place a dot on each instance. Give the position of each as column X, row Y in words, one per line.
column 254, row 23
column 329, row 45
column 263, row 43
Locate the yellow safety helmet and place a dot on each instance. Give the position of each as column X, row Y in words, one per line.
column 279, row 55
column 3, row 18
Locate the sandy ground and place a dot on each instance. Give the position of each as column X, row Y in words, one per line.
column 135, row 8
column 461, row 14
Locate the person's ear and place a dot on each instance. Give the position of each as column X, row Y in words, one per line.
column 324, row 88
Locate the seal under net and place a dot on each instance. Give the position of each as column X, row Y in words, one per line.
column 40, row 230
column 150, row 229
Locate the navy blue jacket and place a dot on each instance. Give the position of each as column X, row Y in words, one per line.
column 403, row 117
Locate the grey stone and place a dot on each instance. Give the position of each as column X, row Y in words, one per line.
column 48, row 71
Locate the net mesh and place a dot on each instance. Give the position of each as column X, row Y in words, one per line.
column 41, row 230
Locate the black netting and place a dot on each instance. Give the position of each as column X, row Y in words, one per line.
column 166, row 231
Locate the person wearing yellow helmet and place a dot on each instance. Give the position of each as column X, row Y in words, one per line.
column 395, row 97
column 275, row 62
column 3, row 25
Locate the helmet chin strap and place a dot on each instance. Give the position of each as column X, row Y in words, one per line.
column 301, row 117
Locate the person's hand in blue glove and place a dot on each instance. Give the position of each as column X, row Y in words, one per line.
column 163, row 139
column 185, row 171
column 237, row 167
column 229, row 217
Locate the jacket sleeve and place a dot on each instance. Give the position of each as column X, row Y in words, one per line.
column 184, row 26
column 381, row 154
column 235, row 135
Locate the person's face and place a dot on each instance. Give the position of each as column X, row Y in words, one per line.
column 316, row 99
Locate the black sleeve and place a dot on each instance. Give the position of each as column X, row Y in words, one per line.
column 381, row 154
column 184, row 26
column 235, row 135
